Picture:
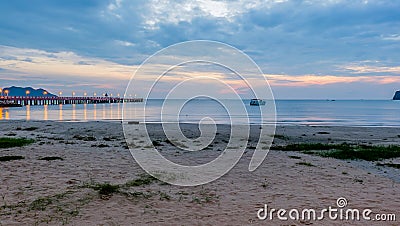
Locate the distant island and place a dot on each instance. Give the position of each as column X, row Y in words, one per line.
column 24, row 91
column 396, row 95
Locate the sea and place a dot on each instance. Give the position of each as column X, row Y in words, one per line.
column 379, row 113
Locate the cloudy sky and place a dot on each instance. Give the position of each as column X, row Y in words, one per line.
column 321, row 49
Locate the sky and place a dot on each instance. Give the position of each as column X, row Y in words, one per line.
column 321, row 49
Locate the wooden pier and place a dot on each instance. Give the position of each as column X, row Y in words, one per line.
column 43, row 100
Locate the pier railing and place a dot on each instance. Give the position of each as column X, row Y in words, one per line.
column 43, row 100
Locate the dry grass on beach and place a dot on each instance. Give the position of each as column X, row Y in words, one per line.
column 69, row 173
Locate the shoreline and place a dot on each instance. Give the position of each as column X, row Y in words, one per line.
column 95, row 153
column 193, row 123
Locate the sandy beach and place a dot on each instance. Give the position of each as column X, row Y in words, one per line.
column 66, row 189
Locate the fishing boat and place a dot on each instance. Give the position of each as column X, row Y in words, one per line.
column 257, row 102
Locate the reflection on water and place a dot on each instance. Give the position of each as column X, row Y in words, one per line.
column 111, row 112
column 94, row 111
column 85, row 112
column 60, row 112
column 119, row 112
column 28, row 112
column 73, row 112
column 297, row 112
column 4, row 113
column 45, row 112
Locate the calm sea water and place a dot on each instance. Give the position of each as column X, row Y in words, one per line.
column 294, row 112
